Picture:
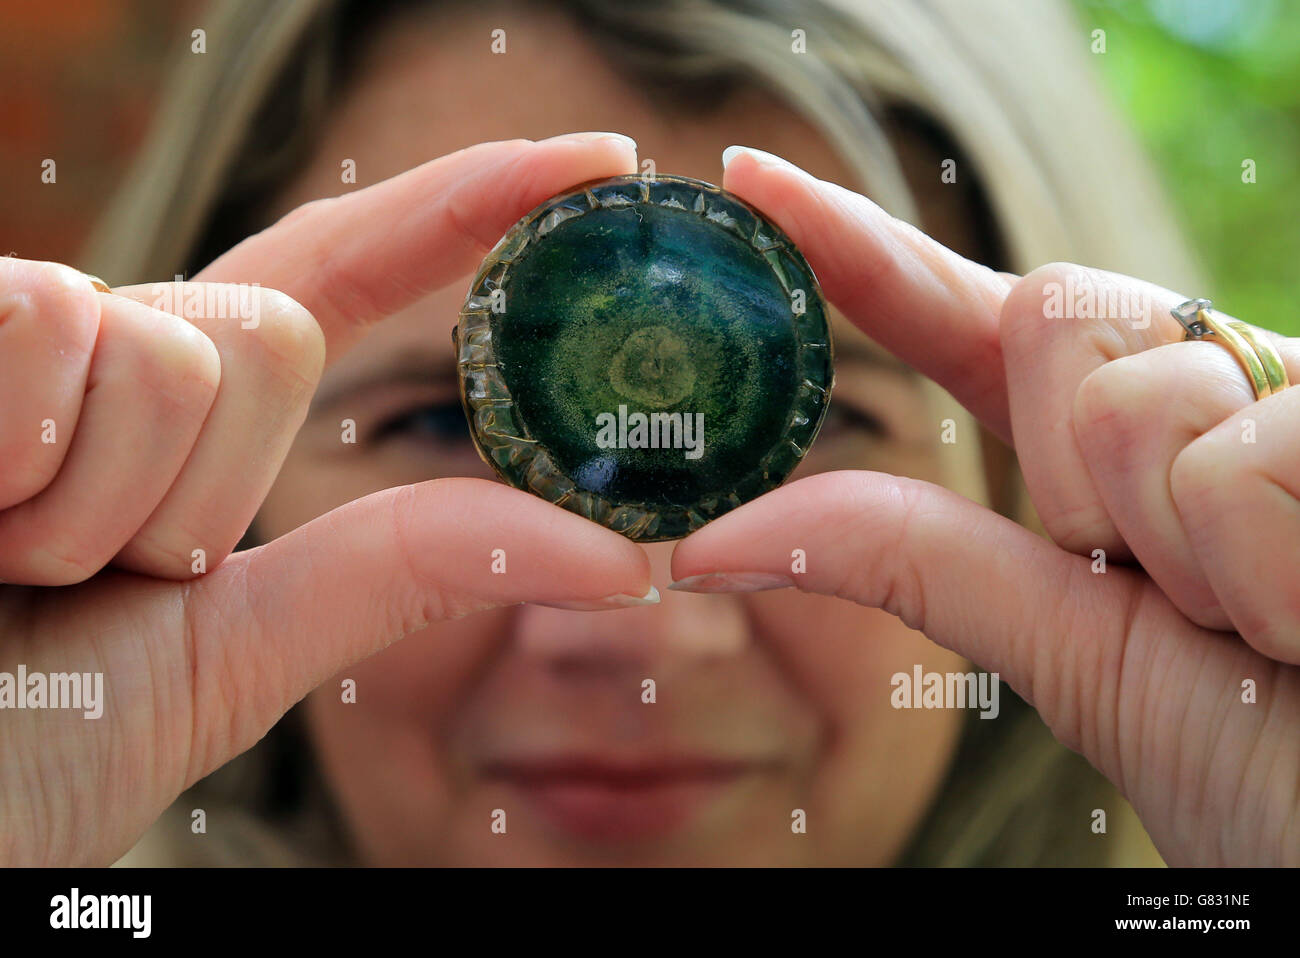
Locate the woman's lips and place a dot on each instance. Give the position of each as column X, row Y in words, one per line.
column 609, row 800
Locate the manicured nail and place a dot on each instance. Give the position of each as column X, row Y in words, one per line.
column 608, row 602
column 732, row 582
column 763, row 158
column 598, row 135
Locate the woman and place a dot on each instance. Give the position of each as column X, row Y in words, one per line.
column 509, row 726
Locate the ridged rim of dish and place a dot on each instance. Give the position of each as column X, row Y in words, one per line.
column 503, row 439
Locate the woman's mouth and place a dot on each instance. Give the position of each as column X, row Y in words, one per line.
column 602, row 799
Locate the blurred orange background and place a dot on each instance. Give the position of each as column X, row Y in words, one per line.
column 78, row 83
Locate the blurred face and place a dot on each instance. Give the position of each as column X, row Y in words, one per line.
column 766, row 702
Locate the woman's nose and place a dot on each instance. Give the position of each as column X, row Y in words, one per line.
column 680, row 624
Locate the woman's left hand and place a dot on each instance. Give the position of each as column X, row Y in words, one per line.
column 1176, row 670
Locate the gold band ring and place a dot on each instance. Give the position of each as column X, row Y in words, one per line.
column 1256, row 355
column 98, row 283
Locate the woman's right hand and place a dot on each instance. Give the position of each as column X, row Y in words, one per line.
column 140, row 431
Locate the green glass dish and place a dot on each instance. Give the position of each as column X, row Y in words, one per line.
column 646, row 352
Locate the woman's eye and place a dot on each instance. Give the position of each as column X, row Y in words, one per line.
column 445, row 422
column 442, row 422
column 841, row 417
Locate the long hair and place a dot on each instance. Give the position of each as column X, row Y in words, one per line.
column 1007, row 85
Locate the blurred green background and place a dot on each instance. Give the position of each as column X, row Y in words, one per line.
column 1210, row 84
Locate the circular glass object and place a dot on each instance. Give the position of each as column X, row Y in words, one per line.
column 646, row 352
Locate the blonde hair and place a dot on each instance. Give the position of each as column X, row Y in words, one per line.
column 1010, row 82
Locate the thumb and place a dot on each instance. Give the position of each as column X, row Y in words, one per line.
column 270, row 624
column 1078, row 646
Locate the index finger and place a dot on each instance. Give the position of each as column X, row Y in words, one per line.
column 353, row 259
column 932, row 308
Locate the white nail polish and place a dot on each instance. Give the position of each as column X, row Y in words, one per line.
column 650, row 598
column 764, row 158
column 599, row 135
column 608, row 602
column 730, row 153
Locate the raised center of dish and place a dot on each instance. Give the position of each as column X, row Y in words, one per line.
column 653, row 368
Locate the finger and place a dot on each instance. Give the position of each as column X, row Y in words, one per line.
column 49, row 315
column 1082, row 648
column 272, row 353
column 934, row 309
column 1133, row 417
column 152, row 380
column 272, row 623
column 1059, row 324
column 943, row 565
column 356, row 258
column 1237, row 491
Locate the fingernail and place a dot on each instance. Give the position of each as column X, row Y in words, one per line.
column 608, row 602
column 763, row 158
column 598, row 135
column 732, row 582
